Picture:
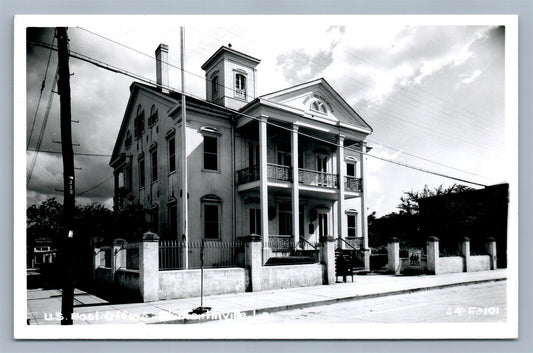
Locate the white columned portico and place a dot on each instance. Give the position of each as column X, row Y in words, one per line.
column 263, row 186
column 364, row 221
column 341, row 171
column 295, row 186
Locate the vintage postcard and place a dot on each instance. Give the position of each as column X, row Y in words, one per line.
column 266, row 177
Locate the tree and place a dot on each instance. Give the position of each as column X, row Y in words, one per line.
column 409, row 201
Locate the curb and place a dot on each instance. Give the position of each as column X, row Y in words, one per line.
column 273, row 309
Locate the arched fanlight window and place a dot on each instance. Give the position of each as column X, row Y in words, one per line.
column 318, row 106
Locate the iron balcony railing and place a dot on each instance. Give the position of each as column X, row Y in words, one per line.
column 305, row 176
column 353, row 184
column 247, row 175
column 315, row 178
column 279, row 172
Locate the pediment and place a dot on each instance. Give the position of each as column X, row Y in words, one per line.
column 318, row 100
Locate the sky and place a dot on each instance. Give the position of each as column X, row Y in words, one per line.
column 433, row 94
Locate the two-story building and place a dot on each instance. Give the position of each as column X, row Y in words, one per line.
column 288, row 166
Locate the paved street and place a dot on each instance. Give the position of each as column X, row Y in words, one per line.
column 485, row 302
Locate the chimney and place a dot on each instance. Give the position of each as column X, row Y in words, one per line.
column 161, row 67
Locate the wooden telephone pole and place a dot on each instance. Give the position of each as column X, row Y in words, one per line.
column 67, row 248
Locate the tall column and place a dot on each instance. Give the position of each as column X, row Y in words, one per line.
column 364, row 221
column 263, row 191
column 295, row 187
column 341, row 172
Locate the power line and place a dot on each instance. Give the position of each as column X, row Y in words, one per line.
column 97, row 185
column 43, row 127
column 41, row 94
column 139, row 77
column 75, row 153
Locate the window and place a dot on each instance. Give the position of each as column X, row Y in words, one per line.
column 322, row 224
column 253, row 154
column 214, row 87
column 154, row 219
column 285, row 219
column 284, row 154
column 139, row 122
column 171, row 155
column 153, row 155
column 172, row 221
column 240, row 86
column 128, row 178
column 127, row 142
column 211, row 217
column 210, row 153
column 141, row 173
column 153, row 116
column 255, row 221
column 352, row 222
column 350, row 169
column 318, row 106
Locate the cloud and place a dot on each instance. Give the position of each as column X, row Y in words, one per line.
column 470, row 78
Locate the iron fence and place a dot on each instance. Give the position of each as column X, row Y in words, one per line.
column 216, row 254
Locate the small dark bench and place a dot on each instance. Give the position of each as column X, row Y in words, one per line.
column 343, row 267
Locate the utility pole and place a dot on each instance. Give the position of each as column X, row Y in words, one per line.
column 67, row 248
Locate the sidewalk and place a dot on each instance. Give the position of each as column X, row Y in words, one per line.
column 91, row 310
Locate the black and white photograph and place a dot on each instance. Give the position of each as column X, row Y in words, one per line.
column 266, row 177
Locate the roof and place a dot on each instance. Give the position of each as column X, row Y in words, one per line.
column 232, row 51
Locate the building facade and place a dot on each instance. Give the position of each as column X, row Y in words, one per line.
column 288, row 166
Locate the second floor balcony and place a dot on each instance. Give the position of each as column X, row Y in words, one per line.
column 276, row 172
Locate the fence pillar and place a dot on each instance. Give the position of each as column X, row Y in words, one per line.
column 432, row 250
column 327, row 257
column 393, row 256
column 149, row 267
column 490, row 247
column 465, row 253
column 98, row 255
column 118, row 255
column 253, row 261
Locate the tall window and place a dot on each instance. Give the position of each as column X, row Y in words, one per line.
column 285, row 219
column 352, row 225
column 210, row 153
column 171, row 155
column 139, row 122
column 214, row 87
column 153, row 155
column 128, row 182
column 152, row 119
column 240, row 86
column 211, row 220
column 172, row 221
column 255, row 221
column 350, row 169
column 154, row 219
column 141, row 172
column 322, row 224
column 284, row 154
column 253, row 154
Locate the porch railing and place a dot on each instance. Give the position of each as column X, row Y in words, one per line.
column 281, row 243
column 279, row 172
column 247, row 175
column 216, row 254
column 353, row 184
column 315, row 178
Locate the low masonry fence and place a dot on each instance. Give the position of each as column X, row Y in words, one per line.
column 431, row 260
column 152, row 270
